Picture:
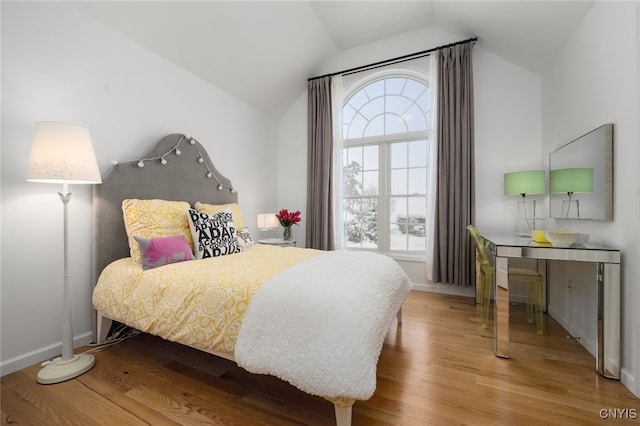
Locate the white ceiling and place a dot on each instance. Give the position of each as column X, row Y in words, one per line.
column 262, row 52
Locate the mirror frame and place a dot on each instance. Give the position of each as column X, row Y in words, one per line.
column 604, row 152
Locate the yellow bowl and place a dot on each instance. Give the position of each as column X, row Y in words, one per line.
column 539, row 236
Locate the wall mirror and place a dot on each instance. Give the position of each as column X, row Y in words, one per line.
column 581, row 177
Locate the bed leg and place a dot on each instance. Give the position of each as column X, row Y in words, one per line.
column 343, row 415
column 400, row 315
column 103, row 325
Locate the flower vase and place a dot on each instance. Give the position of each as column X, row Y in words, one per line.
column 286, row 235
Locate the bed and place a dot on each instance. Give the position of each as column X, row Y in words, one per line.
column 173, row 257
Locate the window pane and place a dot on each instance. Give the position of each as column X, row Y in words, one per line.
column 375, row 127
column 353, row 210
column 413, row 89
column 417, row 181
column 375, row 90
column 417, row 206
column 356, row 127
column 397, row 206
column 361, row 228
column 398, row 155
column 373, row 108
column 423, row 100
column 398, row 104
column 370, row 157
column 395, row 85
column 416, row 119
column 417, row 223
column 418, row 153
column 398, row 223
column 352, row 172
column 370, row 224
column 394, row 124
column 417, row 242
column 348, row 112
column 358, row 99
column 399, row 182
column 370, row 183
column 354, row 155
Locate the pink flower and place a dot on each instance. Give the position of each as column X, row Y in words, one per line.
column 288, row 219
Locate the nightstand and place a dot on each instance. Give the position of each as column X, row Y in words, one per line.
column 278, row 242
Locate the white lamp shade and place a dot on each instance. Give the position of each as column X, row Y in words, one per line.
column 267, row 221
column 62, row 153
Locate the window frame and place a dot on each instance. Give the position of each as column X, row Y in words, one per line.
column 384, row 143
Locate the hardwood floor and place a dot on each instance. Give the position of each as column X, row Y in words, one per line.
column 437, row 368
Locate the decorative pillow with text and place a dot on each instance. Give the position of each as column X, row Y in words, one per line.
column 213, row 235
column 233, row 208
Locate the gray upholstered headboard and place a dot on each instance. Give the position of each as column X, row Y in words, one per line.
column 187, row 175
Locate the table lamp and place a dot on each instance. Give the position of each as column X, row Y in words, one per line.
column 267, row 221
column 571, row 181
column 523, row 183
column 63, row 153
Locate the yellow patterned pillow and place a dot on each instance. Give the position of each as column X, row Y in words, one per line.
column 212, row 209
column 152, row 219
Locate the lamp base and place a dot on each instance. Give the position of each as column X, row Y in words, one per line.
column 61, row 370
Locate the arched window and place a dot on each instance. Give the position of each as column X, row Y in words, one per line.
column 385, row 132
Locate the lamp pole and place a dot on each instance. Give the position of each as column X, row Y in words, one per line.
column 67, row 323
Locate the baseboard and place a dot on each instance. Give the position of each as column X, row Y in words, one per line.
column 627, row 379
column 587, row 343
column 454, row 290
column 42, row 354
column 626, row 376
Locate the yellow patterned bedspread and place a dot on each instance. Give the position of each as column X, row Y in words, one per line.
column 198, row 303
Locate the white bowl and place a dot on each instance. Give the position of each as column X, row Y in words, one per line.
column 582, row 239
column 564, row 238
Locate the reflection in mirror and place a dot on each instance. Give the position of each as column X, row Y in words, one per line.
column 578, row 180
column 581, row 177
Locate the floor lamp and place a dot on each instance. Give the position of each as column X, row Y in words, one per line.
column 523, row 183
column 63, row 153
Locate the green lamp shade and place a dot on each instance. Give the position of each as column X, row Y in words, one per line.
column 527, row 182
column 571, row 180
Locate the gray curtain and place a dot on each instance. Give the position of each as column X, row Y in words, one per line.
column 455, row 195
column 319, row 165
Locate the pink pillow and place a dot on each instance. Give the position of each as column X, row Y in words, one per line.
column 163, row 250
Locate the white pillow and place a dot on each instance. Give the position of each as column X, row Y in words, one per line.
column 245, row 240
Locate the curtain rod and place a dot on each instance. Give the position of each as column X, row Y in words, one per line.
column 395, row 60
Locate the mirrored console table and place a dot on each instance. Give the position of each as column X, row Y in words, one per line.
column 504, row 247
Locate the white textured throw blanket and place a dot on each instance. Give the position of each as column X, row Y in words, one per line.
column 320, row 325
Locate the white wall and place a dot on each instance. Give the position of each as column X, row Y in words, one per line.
column 507, row 129
column 595, row 80
column 292, row 165
column 58, row 64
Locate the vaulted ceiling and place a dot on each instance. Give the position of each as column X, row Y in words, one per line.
column 262, row 52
